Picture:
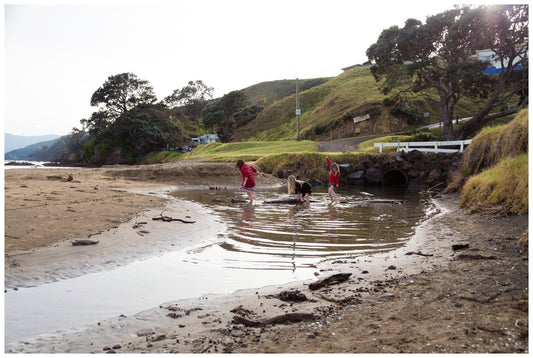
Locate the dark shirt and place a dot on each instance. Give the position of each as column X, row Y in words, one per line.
column 303, row 189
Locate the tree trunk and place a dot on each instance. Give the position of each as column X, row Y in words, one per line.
column 476, row 123
column 446, row 118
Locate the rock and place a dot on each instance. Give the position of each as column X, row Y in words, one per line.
column 413, row 173
column 433, row 176
column 357, row 176
column 405, row 166
column 296, row 296
column 345, row 168
column 456, row 247
column 413, row 155
column 373, row 176
column 368, row 164
column 144, row 333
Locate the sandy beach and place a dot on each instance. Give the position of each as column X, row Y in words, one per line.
column 459, row 285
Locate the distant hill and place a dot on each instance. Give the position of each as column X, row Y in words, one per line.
column 13, row 142
column 267, row 93
column 26, row 152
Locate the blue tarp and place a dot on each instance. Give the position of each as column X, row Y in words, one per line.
column 498, row 69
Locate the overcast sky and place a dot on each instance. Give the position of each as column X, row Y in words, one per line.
column 58, row 54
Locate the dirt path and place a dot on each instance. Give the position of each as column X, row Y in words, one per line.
column 344, row 145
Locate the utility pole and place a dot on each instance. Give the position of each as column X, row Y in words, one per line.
column 298, row 112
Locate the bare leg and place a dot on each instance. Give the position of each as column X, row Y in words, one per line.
column 251, row 196
column 332, row 195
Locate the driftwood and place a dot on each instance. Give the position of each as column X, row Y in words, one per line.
column 284, row 318
column 417, row 253
column 283, row 201
column 232, row 201
column 84, row 242
column 169, row 219
column 382, row 201
column 475, row 257
column 337, row 278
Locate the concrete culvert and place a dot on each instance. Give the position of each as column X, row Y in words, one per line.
column 395, row 177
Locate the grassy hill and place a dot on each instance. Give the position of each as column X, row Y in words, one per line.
column 267, row 93
column 328, row 111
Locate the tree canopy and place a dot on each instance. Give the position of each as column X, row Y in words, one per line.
column 439, row 56
column 122, row 92
column 135, row 133
column 231, row 110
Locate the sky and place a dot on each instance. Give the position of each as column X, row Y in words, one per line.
column 57, row 54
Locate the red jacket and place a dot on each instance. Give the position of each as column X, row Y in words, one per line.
column 333, row 178
column 247, row 171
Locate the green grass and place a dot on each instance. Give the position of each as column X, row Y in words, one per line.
column 248, row 151
column 502, row 189
column 368, row 146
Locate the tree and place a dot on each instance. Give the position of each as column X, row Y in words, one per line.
column 97, row 123
column 437, row 56
column 220, row 114
column 122, row 92
column 192, row 98
column 135, row 133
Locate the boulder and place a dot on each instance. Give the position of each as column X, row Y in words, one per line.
column 373, row 176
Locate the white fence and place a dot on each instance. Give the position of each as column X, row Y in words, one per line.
column 433, row 147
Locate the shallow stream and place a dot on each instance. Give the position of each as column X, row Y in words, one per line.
column 262, row 244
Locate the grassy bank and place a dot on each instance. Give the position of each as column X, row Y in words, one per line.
column 500, row 189
column 228, row 152
column 495, row 143
column 495, row 169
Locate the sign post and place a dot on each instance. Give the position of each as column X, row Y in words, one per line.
column 298, row 112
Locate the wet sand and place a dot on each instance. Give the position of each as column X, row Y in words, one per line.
column 425, row 297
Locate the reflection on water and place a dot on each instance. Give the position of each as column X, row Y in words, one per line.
column 266, row 236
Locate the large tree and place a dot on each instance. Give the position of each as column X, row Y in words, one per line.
column 122, row 92
column 438, row 57
column 219, row 114
column 135, row 133
column 191, row 98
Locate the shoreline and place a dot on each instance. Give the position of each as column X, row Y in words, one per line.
column 204, row 324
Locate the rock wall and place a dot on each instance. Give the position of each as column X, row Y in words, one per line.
column 415, row 170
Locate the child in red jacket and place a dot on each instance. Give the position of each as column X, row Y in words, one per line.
column 248, row 178
column 334, row 175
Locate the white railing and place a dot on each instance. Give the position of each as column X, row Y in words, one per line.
column 433, row 147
